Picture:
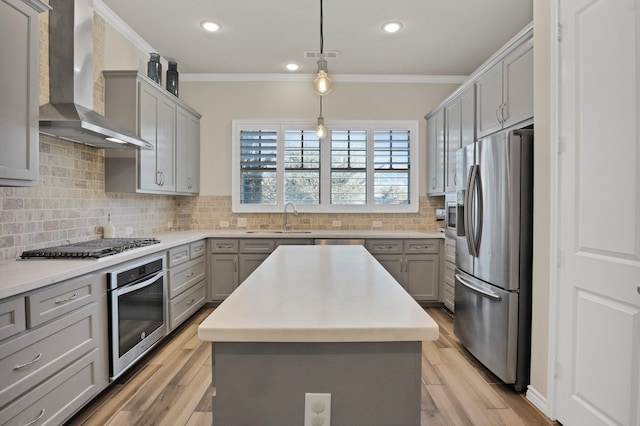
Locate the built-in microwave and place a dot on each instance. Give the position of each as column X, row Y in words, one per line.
column 450, row 216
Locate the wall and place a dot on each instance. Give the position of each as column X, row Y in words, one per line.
column 541, row 195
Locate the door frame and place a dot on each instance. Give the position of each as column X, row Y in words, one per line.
column 554, row 194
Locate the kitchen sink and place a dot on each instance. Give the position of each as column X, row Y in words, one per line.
column 277, row 232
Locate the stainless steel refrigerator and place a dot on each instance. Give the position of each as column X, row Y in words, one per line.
column 494, row 251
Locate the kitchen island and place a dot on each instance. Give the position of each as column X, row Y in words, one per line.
column 318, row 319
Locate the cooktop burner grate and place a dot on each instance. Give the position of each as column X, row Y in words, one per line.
column 90, row 249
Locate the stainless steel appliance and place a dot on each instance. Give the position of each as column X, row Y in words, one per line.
column 90, row 249
column 450, row 215
column 136, row 294
column 493, row 253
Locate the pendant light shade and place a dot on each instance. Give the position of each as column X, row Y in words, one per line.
column 321, row 130
column 322, row 82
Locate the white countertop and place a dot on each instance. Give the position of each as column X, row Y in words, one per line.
column 319, row 294
column 20, row 276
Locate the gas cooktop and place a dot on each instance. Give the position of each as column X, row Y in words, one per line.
column 90, row 249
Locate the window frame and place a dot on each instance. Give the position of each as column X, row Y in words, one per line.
column 325, row 205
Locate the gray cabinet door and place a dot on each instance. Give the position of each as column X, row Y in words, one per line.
column 393, row 264
column 187, row 152
column 422, row 272
column 435, row 154
column 518, row 85
column 19, row 38
column 249, row 263
column 166, row 145
column 453, row 119
column 148, row 122
column 223, row 277
column 489, row 101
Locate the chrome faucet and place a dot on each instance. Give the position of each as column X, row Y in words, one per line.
column 285, row 224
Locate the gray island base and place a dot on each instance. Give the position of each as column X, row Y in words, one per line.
column 318, row 319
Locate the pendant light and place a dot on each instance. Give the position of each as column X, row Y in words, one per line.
column 321, row 130
column 322, row 82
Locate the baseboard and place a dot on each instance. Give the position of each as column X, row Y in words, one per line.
column 538, row 400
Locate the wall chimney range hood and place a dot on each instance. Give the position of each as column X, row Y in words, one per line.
column 69, row 115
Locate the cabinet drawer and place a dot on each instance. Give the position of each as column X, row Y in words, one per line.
column 384, row 246
column 13, row 317
column 55, row 400
column 450, row 274
column 450, row 251
column 257, row 245
column 184, row 276
column 28, row 359
column 421, row 246
column 224, row 246
column 62, row 298
column 449, row 298
column 196, row 249
column 183, row 306
column 178, row 255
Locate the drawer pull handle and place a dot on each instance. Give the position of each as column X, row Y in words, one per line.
column 32, row 422
column 27, row 364
column 191, row 303
column 189, row 275
column 225, row 246
column 420, row 247
column 68, row 299
column 180, row 256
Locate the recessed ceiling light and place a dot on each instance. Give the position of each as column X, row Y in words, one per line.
column 392, row 27
column 292, row 66
column 210, row 26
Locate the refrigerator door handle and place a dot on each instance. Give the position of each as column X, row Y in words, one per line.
column 467, row 212
column 470, row 286
column 470, row 208
column 479, row 212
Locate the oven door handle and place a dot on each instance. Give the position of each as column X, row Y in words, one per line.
column 133, row 287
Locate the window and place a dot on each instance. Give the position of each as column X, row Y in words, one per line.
column 360, row 167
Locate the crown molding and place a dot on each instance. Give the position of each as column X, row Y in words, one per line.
column 340, row 78
column 119, row 25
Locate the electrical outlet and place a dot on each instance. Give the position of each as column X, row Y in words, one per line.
column 242, row 222
column 128, row 230
column 224, row 224
column 377, row 224
column 337, row 223
column 317, row 409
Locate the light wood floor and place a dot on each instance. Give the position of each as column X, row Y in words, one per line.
column 171, row 386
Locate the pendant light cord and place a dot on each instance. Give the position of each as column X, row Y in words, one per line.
column 321, row 32
column 320, row 106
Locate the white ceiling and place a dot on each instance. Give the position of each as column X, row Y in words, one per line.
column 439, row 37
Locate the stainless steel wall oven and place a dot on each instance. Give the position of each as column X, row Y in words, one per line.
column 137, row 306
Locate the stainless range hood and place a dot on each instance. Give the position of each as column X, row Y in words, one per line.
column 69, row 115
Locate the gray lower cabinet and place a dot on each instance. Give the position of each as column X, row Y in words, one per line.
column 186, row 282
column 54, row 358
column 231, row 261
column 449, row 286
column 414, row 263
column 19, row 140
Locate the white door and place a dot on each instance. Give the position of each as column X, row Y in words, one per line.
column 598, row 280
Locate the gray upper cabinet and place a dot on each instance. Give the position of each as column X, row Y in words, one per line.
column 435, row 153
column 505, row 91
column 187, row 151
column 497, row 95
column 140, row 105
column 19, row 38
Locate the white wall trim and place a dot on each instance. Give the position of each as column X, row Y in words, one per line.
column 339, row 78
column 125, row 30
column 551, row 409
column 538, row 400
